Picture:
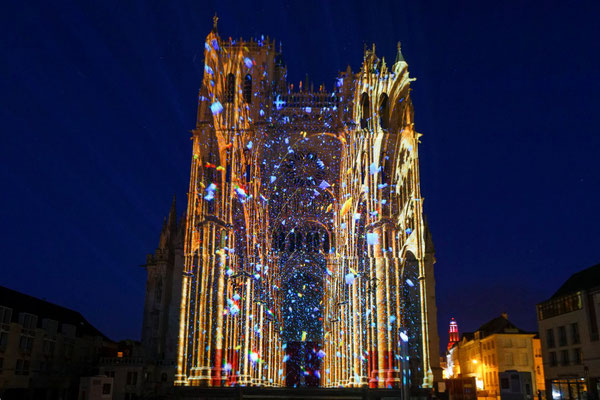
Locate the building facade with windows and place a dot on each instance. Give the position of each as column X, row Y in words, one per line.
column 129, row 370
column 495, row 348
column 162, row 303
column 147, row 368
column 44, row 348
column 568, row 324
column 96, row 388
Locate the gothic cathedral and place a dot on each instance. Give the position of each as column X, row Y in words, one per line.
column 306, row 259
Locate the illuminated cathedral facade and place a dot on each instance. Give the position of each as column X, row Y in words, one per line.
column 305, row 241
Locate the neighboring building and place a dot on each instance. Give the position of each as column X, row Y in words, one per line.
column 147, row 369
column 130, row 372
column 444, row 366
column 515, row 385
column 45, row 348
column 314, row 193
column 96, row 388
column 160, row 330
column 497, row 347
column 452, row 370
column 568, row 324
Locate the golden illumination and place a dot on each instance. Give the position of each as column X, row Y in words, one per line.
column 367, row 212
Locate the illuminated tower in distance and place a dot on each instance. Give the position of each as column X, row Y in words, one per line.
column 452, row 334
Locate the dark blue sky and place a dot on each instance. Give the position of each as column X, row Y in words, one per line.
column 98, row 99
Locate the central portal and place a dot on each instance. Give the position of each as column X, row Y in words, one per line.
column 300, row 208
column 302, row 308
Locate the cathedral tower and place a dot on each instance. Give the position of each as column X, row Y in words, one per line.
column 164, row 269
column 453, row 334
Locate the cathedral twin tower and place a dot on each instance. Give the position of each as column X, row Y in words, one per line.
column 305, row 244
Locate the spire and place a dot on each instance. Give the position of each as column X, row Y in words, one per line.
column 399, row 56
column 429, row 248
column 173, row 211
column 215, row 20
column 169, row 226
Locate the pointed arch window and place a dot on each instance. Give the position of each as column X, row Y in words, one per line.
column 248, row 173
column 386, row 240
column 383, row 175
column 315, row 242
column 383, row 111
column 365, row 115
column 228, row 173
column 230, row 89
column 248, row 89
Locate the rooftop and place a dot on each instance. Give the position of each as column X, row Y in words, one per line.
column 21, row 302
column 583, row 280
column 499, row 324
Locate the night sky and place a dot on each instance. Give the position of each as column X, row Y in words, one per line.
column 98, row 98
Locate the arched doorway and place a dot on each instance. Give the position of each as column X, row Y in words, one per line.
column 302, row 278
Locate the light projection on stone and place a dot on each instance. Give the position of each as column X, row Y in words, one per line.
column 305, row 251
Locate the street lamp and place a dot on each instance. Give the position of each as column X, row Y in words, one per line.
column 478, row 382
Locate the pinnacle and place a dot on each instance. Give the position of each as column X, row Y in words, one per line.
column 399, row 56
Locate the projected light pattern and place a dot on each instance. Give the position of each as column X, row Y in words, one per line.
column 305, row 228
